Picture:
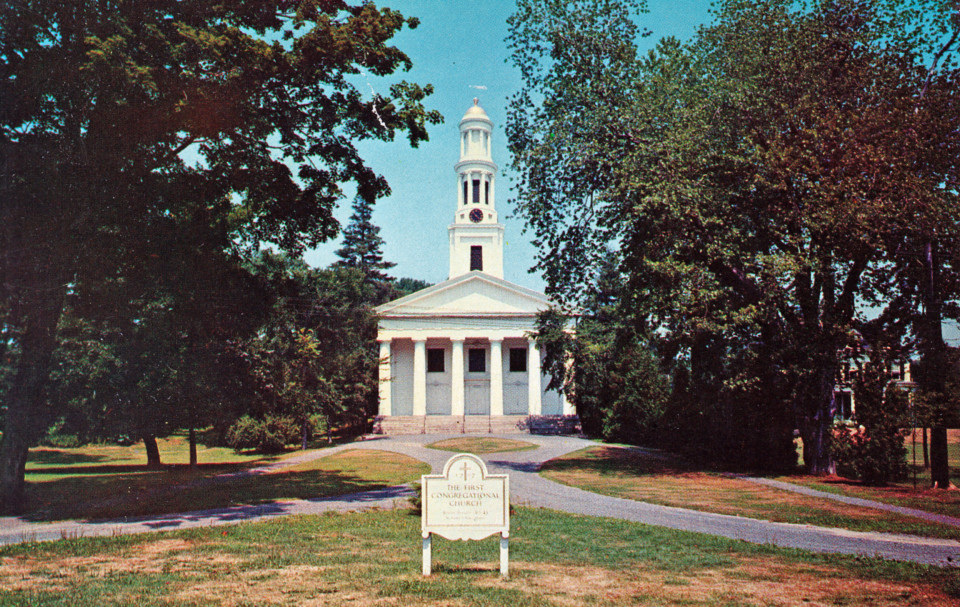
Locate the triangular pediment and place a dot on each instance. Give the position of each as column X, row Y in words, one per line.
column 471, row 294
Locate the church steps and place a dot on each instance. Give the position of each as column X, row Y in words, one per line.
column 476, row 424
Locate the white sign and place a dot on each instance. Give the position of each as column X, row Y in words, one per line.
column 465, row 503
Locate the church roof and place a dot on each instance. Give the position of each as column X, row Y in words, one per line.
column 468, row 295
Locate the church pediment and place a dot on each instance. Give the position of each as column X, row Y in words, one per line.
column 468, row 295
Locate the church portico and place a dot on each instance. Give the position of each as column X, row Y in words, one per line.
column 458, row 355
column 463, row 374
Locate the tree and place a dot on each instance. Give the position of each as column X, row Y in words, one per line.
column 122, row 121
column 750, row 179
column 362, row 244
column 314, row 359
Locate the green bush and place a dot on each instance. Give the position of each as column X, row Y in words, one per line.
column 56, row 437
column 872, row 450
column 271, row 434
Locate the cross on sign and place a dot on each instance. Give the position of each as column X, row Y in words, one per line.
column 466, row 468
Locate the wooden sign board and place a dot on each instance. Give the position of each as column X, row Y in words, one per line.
column 465, row 503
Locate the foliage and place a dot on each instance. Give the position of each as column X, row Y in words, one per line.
column 406, row 286
column 871, row 449
column 315, row 358
column 132, row 133
column 751, row 182
column 269, row 435
column 610, row 369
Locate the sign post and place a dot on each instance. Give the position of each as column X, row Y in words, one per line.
column 465, row 503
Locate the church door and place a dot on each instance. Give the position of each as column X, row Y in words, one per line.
column 476, row 397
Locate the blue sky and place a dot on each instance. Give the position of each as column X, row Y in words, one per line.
column 460, row 49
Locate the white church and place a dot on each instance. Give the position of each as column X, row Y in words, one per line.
column 457, row 356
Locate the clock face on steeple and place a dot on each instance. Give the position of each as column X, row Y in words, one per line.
column 476, row 216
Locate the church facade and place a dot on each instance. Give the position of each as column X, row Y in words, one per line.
column 458, row 356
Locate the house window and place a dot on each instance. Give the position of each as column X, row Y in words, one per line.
column 476, row 258
column 435, row 360
column 844, row 405
column 476, row 191
column 518, row 360
column 477, row 361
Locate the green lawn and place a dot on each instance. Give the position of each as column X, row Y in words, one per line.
column 94, row 483
column 482, row 445
column 173, row 451
column 373, row 558
column 661, row 479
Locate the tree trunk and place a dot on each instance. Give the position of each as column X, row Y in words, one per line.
column 193, row 448
column 304, row 436
column 935, row 363
column 27, row 414
column 939, row 465
column 816, row 430
column 153, row 451
column 926, row 452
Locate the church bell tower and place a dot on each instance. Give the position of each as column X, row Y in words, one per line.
column 476, row 237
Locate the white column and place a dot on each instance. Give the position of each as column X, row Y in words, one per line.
column 496, row 377
column 568, row 408
column 456, row 378
column 534, row 391
column 384, row 383
column 419, row 376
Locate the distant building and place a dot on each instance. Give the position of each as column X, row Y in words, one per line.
column 457, row 356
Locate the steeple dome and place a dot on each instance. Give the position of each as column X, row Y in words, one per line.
column 476, row 236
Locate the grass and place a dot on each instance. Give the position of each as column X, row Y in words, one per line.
column 660, row 479
column 482, row 445
column 173, row 450
column 118, row 490
column 373, row 558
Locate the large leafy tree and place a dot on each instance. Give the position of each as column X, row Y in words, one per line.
column 750, row 180
column 125, row 123
column 315, row 357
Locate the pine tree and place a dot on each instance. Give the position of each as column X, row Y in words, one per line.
column 362, row 244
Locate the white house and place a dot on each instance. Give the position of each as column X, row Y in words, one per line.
column 456, row 357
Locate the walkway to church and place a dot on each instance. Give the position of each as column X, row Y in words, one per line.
column 530, row 489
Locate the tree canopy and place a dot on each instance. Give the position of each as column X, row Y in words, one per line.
column 757, row 184
column 127, row 127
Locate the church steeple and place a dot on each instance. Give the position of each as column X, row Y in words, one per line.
column 476, row 238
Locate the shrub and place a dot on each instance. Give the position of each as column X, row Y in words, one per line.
column 268, row 435
column 872, row 451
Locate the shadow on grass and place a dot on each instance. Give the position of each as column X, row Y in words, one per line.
column 48, row 457
column 152, row 492
column 108, row 469
column 616, row 460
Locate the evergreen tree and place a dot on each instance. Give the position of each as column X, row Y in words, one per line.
column 362, row 244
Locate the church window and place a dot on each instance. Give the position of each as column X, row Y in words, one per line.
column 476, row 258
column 477, row 361
column 486, row 192
column 465, row 192
column 476, row 191
column 518, row 360
column 435, row 360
